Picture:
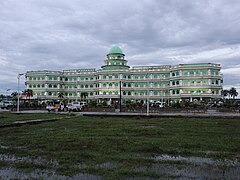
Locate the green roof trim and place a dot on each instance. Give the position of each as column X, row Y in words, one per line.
column 115, row 50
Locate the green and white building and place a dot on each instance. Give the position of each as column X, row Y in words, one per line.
column 156, row 83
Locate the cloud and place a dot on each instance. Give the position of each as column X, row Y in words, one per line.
column 58, row 34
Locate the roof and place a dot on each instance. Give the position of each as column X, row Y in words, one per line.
column 115, row 50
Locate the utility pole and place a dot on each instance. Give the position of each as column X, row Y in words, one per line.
column 18, row 77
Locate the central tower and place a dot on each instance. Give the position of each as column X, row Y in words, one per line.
column 115, row 59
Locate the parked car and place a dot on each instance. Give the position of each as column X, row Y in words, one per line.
column 75, row 106
column 51, row 107
column 160, row 104
column 6, row 104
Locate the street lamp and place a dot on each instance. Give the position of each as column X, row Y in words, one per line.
column 18, row 77
column 148, row 94
column 120, row 97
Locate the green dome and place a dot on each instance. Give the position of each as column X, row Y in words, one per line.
column 115, row 50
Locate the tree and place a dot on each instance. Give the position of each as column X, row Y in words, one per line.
column 29, row 93
column 233, row 92
column 2, row 96
column 14, row 95
column 225, row 93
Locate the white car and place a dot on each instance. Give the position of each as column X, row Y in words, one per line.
column 75, row 106
column 5, row 104
column 160, row 104
column 50, row 107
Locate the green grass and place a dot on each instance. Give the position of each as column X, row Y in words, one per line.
column 123, row 142
column 6, row 118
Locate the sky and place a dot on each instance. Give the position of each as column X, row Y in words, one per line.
column 74, row 34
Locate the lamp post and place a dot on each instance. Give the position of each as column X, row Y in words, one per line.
column 18, row 77
column 120, row 97
column 147, row 94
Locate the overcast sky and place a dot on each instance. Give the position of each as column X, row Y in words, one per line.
column 72, row 34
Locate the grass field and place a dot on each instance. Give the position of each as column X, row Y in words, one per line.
column 113, row 147
column 6, row 118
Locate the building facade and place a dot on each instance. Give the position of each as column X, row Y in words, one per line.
column 138, row 83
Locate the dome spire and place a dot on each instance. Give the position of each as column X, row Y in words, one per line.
column 115, row 50
column 115, row 59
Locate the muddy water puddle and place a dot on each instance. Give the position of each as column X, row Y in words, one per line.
column 167, row 166
column 12, row 173
column 197, row 160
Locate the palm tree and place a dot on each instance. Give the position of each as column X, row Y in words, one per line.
column 225, row 93
column 233, row 92
column 14, row 95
